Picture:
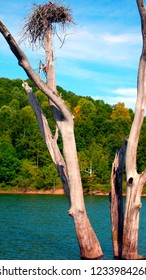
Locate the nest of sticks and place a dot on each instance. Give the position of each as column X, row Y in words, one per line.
column 43, row 18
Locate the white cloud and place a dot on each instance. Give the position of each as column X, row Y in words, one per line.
column 125, row 95
column 122, row 38
column 129, row 101
column 126, row 91
column 88, row 45
column 83, row 53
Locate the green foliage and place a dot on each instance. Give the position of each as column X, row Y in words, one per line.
column 10, row 164
column 99, row 131
column 120, row 112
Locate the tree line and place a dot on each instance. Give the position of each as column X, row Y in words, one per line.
column 100, row 128
column 61, row 143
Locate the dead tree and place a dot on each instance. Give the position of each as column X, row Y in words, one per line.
column 39, row 28
column 116, row 201
column 135, row 181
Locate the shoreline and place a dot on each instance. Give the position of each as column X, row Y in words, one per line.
column 56, row 192
column 52, row 192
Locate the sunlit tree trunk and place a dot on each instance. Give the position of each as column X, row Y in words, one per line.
column 135, row 181
column 125, row 236
column 50, row 140
column 116, row 201
column 88, row 242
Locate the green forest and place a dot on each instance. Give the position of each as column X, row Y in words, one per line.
column 100, row 129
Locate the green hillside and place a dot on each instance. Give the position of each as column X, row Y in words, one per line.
column 100, row 128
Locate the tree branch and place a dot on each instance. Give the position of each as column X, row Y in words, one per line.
column 24, row 63
column 50, row 141
column 64, row 38
column 140, row 102
column 138, row 119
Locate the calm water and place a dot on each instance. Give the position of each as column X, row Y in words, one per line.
column 37, row 227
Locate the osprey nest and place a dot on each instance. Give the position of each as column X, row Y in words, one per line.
column 43, row 18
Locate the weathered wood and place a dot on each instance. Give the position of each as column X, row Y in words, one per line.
column 88, row 242
column 135, row 181
column 49, row 139
column 116, row 201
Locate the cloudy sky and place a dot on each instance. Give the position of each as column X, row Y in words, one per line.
column 100, row 56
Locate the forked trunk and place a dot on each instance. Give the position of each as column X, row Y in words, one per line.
column 135, row 181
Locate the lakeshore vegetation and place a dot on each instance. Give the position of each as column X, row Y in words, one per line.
column 100, row 129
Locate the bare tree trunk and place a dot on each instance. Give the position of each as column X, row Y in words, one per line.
column 49, row 139
column 88, row 242
column 135, row 181
column 89, row 245
column 116, row 201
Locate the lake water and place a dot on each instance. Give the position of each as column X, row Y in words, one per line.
column 37, row 227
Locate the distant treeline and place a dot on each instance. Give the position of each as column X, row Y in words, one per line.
column 99, row 130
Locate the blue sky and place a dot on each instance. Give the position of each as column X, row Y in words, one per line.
column 100, row 57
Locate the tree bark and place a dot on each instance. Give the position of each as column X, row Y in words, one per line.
column 116, row 201
column 50, row 140
column 88, row 242
column 135, row 181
